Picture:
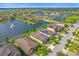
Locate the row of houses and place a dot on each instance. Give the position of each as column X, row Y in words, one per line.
column 2, row 17
column 43, row 35
column 56, row 27
column 6, row 16
column 37, row 15
column 29, row 46
column 30, row 15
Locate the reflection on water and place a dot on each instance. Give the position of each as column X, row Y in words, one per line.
column 12, row 26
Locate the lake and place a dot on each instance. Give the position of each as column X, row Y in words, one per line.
column 62, row 17
column 15, row 28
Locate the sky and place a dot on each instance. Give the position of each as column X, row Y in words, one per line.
column 39, row 5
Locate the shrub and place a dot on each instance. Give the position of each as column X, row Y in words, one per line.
column 60, row 53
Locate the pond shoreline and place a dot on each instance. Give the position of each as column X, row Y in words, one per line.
column 22, row 26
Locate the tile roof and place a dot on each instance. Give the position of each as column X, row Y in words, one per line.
column 26, row 45
column 9, row 50
column 39, row 36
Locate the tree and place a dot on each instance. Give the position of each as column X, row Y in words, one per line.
column 69, row 41
column 60, row 53
column 66, row 45
column 9, row 40
column 42, row 50
column 73, row 33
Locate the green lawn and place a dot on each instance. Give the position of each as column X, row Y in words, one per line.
column 42, row 50
column 67, row 44
column 76, row 34
column 64, row 30
column 27, row 21
column 53, row 41
column 74, row 47
column 71, row 19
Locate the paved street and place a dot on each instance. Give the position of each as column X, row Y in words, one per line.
column 60, row 46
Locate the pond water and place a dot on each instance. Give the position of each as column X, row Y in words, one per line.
column 15, row 28
column 61, row 17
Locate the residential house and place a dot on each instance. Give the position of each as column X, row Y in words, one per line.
column 9, row 50
column 27, row 45
column 56, row 27
column 39, row 37
column 47, row 32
